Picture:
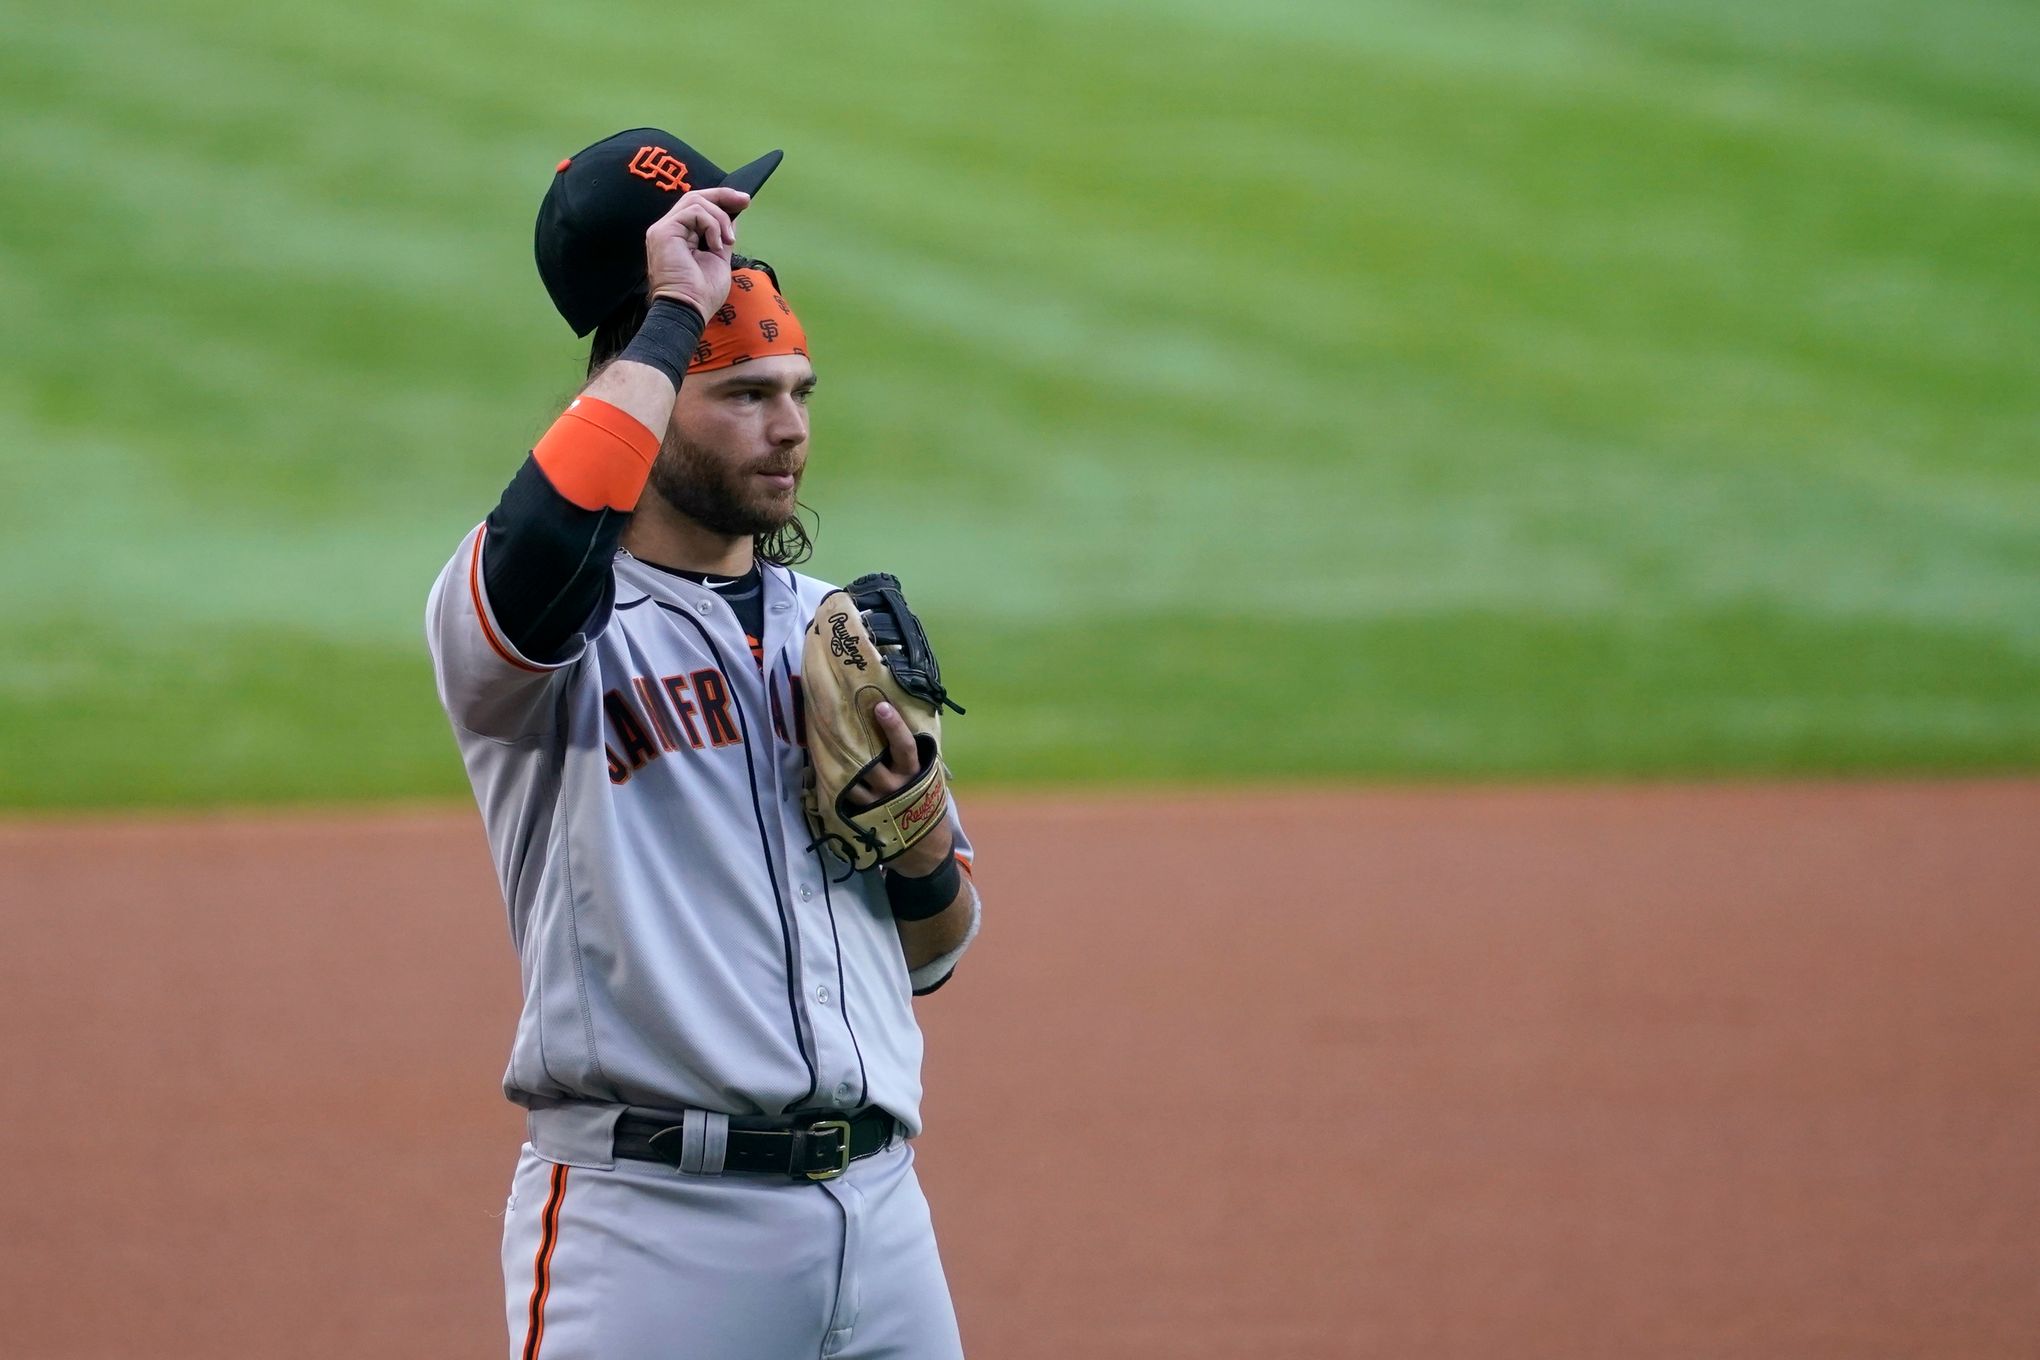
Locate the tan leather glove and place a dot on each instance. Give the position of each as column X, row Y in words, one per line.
column 864, row 646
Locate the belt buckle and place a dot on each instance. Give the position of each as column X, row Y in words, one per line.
column 842, row 1128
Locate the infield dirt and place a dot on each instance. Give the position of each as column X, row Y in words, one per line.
column 1573, row 1073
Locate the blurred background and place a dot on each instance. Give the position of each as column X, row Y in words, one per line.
column 1582, row 409
column 1307, row 387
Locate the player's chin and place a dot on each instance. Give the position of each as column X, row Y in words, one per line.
column 775, row 494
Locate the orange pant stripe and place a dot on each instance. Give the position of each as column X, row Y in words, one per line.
column 541, row 1266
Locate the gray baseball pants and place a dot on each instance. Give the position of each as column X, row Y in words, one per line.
column 646, row 1262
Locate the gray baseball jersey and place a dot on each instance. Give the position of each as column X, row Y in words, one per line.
column 681, row 946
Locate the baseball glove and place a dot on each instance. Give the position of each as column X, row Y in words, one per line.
column 864, row 647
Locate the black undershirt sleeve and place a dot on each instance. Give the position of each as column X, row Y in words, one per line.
column 546, row 560
column 546, row 564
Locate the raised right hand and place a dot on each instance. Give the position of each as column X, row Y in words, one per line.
column 687, row 252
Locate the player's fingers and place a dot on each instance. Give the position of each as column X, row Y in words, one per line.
column 701, row 226
column 676, row 225
column 681, row 205
column 731, row 201
column 899, row 739
column 725, row 231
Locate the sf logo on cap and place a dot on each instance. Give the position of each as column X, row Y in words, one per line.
column 660, row 166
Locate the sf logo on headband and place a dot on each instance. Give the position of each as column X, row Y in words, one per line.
column 660, row 166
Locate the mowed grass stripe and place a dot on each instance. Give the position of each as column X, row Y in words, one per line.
column 1707, row 694
column 1542, row 300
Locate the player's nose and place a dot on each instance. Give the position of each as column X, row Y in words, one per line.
column 787, row 425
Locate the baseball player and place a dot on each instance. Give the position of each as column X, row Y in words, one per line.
column 717, row 1052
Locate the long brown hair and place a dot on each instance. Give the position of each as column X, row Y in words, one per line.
column 792, row 542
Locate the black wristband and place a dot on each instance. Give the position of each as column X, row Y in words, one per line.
column 916, row 899
column 667, row 339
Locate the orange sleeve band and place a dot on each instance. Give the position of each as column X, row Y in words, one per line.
column 597, row 455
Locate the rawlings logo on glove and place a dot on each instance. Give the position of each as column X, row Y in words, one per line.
column 870, row 617
column 842, row 646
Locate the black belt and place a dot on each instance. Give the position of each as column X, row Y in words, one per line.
column 810, row 1149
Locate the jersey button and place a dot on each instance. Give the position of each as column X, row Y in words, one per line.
column 822, row 995
column 842, row 1090
column 806, row 893
column 702, row 606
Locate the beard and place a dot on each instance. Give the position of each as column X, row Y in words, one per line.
column 721, row 498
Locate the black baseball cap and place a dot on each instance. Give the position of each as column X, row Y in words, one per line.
column 590, row 239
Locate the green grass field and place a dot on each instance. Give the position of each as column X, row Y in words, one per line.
column 1314, row 386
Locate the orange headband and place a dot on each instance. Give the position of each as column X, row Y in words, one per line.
column 754, row 322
